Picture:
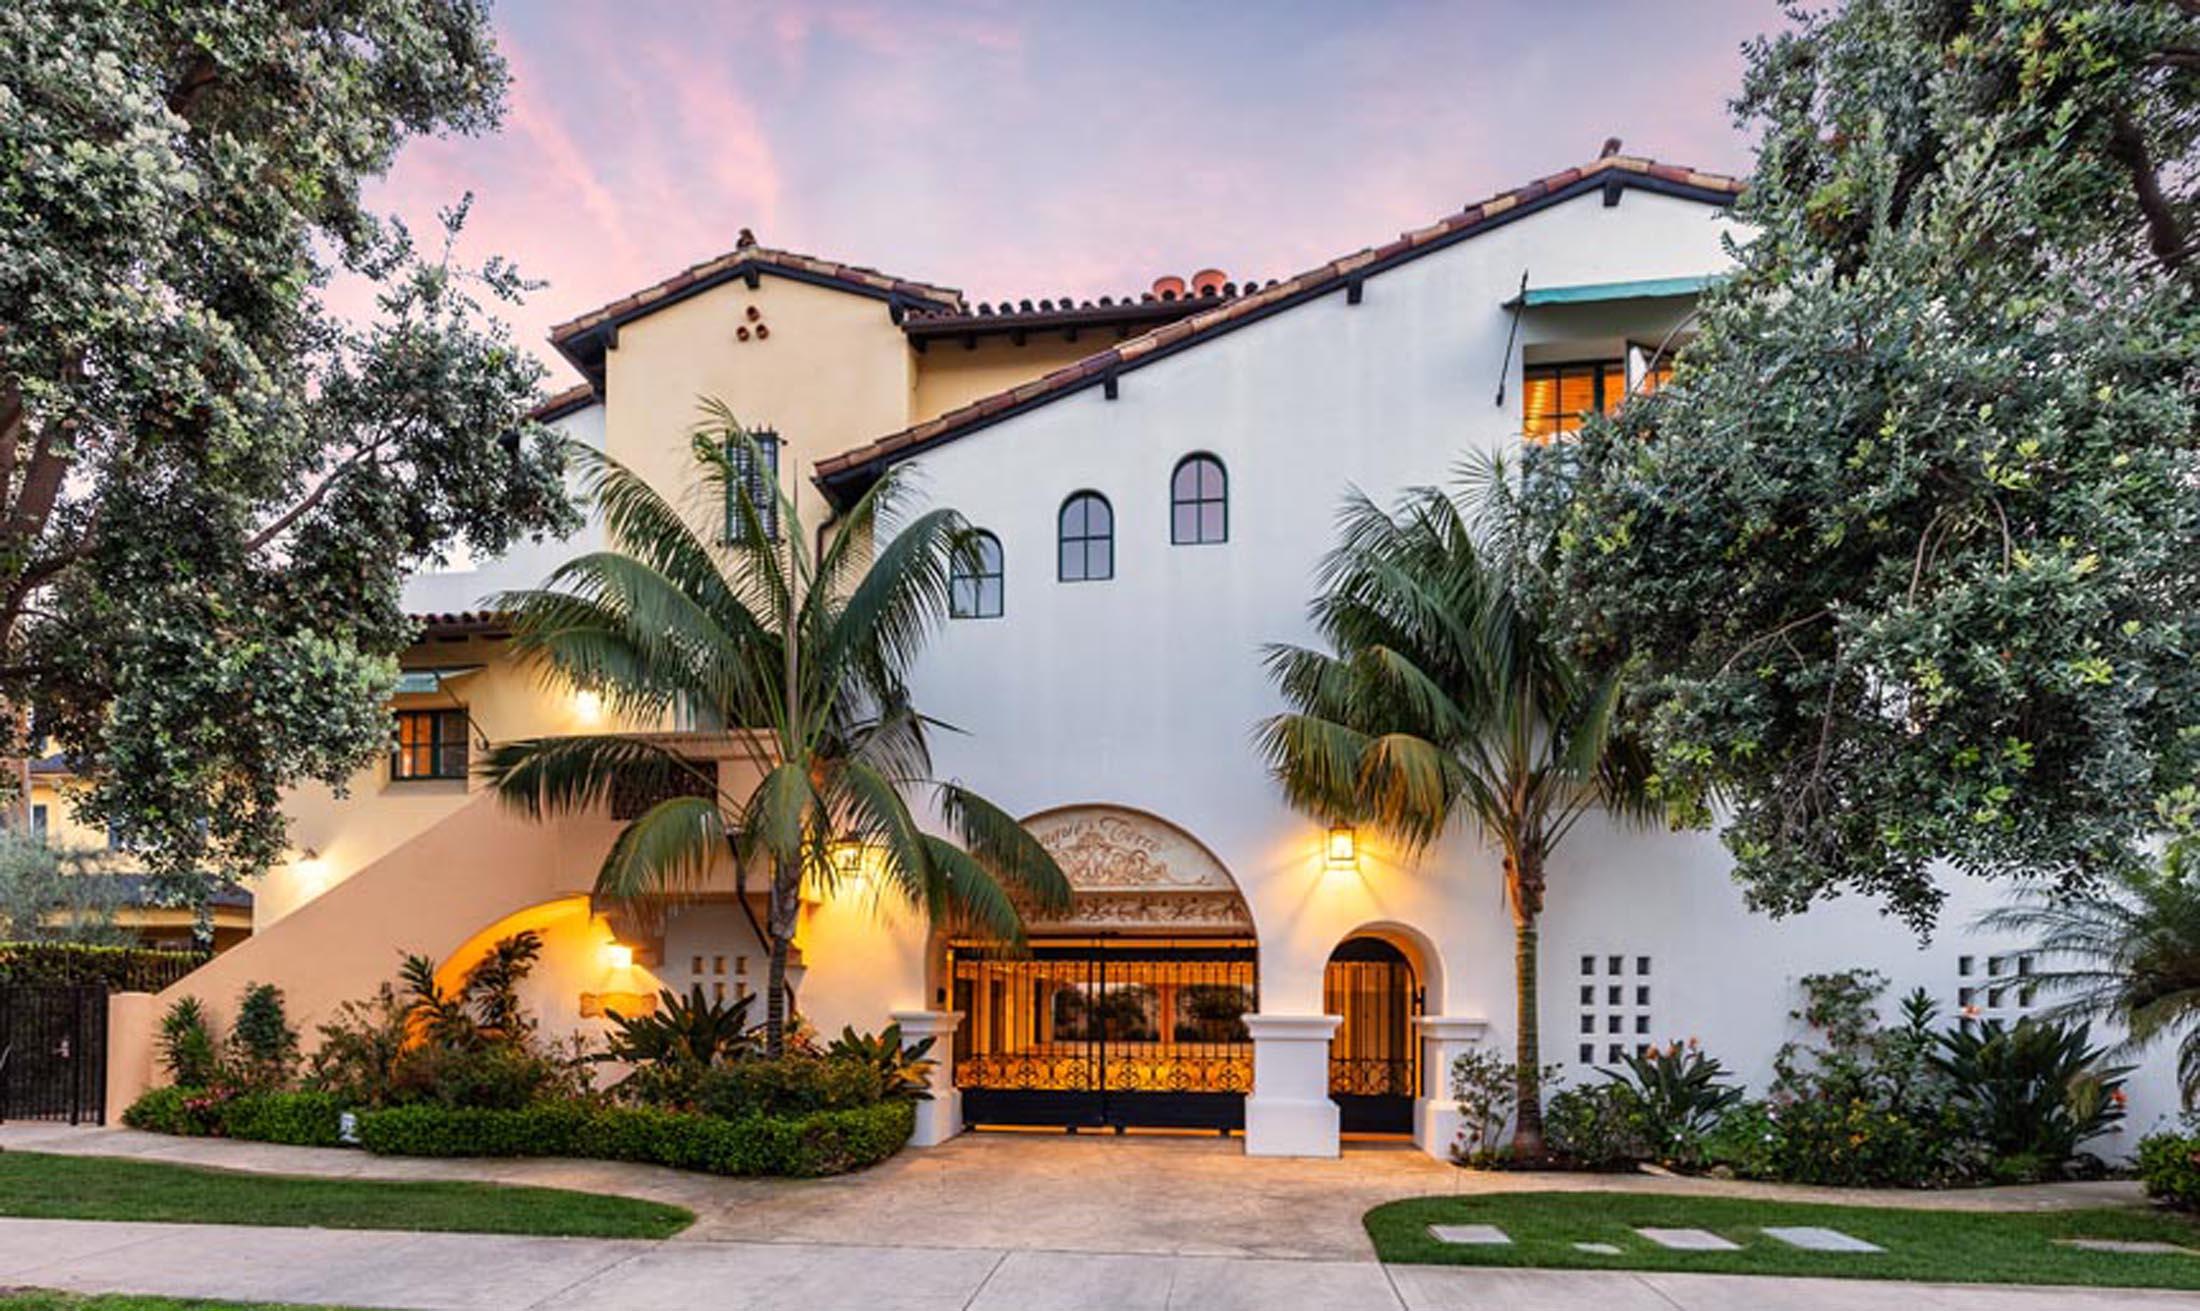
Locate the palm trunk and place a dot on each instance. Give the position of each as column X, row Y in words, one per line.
column 1524, row 879
column 786, row 899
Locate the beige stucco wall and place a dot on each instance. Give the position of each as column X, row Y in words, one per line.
column 951, row 375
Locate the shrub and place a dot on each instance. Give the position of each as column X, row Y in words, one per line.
column 361, row 1050
column 821, row 1143
column 2033, row 1094
column 183, row 1111
column 1859, row 1144
column 117, row 969
column 1595, row 1128
column 2169, row 1166
column 1745, row 1142
column 187, row 1049
column 501, row 1076
column 789, row 1086
column 1675, row 1096
column 905, row 1072
column 263, row 1048
column 300, row 1119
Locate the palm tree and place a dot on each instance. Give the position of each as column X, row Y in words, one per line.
column 800, row 657
column 1449, row 692
column 2130, row 950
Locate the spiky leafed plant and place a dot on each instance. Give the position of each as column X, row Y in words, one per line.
column 799, row 655
column 2126, row 952
column 1448, row 693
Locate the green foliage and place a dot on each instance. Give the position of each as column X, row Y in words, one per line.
column 359, row 1058
column 1901, row 561
column 52, row 894
column 1486, row 1087
column 262, row 1048
column 2033, row 1093
column 498, row 1076
column 790, row 1086
column 1859, row 1143
column 2169, row 1167
column 188, row 1112
column 1449, row 691
column 1595, row 1128
column 671, row 1046
column 300, row 1119
column 802, row 1146
column 215, row 481
column 1675, row 1094
column 668, row 616
column 118, row 969
column 188, row 1051
column 905, row 1071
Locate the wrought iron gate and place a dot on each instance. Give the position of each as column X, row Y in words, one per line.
column 1374, row 1060
column 53, row 1053
column 1114, row 1032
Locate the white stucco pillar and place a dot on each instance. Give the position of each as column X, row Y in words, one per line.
column 1289, row 1112
column 941, row 1118
column 1436, row 1112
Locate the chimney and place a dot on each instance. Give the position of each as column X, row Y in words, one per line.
column 1208, row 282
column 1168, row 287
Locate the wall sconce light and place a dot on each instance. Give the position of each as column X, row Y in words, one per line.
column 588, row 705
column 311, row 870
column 1344, row 847
column 618, row 956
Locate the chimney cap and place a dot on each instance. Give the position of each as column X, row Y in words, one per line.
column 1611, row 148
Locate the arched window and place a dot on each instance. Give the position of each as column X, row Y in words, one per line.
column 1088, row 539
column 1199, row 501
column 974, row 577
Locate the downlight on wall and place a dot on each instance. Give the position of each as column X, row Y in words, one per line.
column 618, row 956
column 310, row 870
column 1343, row 848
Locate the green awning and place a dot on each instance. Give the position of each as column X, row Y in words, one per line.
column 1592, row 293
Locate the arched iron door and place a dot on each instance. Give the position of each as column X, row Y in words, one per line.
column 1374, row 1059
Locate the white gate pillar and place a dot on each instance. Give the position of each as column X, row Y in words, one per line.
column 942, row 1117
column 1436, row 1117
column 1289, row 1112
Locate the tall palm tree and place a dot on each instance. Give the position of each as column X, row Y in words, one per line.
column 800, row 656
column 2129, row 952
column 1448, row 693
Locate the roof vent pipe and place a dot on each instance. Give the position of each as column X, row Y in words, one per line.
column 1208, row 282
column 1168, row 287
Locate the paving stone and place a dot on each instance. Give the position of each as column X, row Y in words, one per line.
column 1812, row 1238
column 1472, row 1235
column 2126, row 1246
column 1598, row 1249
column 1689, row 1240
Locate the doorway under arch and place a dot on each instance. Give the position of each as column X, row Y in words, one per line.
column 1375, row 1056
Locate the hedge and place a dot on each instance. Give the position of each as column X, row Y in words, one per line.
column 117, row 969
column 2169, row 1166
column 300, row 1119
column 806, row 1146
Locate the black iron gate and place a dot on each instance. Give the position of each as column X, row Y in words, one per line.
column 1374, row 1060
column 1105, row 1032
column 53, row 1053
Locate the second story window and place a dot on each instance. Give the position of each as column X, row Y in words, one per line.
column 428, row 744
column 753, row 471
column 1087, row 539
column 1199, row 501
column 1557, row 397
column 974, row 578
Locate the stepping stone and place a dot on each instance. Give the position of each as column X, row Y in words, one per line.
column 1811, row 1238
column 1598, row 1249
column 2126, row 1246
column 1470, row 1235
column 1689, row 1240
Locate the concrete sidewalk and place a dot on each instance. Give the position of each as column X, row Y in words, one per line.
column 460, row 1272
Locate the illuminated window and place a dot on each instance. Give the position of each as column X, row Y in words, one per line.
column 1199, row 501
column 974, row 578
column 428, row 744
column 1087, row 539
column 1557, row 397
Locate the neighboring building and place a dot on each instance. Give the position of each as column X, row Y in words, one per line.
column 1158, row 477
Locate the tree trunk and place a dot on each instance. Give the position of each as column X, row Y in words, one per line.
column 1524, row 880
column 786, row 900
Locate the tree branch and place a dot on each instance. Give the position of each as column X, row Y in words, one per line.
column 2127, row 146
column 316, row 496
column 201, row 73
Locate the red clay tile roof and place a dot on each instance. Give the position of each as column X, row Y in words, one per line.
column 1068, row 312
column 1227, row 313
column 579, row 396
column 739, row 260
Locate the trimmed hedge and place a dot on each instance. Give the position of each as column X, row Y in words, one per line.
column 117, row 969
column 2169, row 1166
column 806, row 1146
column 299, row 1119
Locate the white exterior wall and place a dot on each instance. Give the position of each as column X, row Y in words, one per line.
column 1144, row 691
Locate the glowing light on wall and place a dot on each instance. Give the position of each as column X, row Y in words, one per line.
column 588, row 705
column 310, row 870
column 618, row 956
column 1344, row 847
column 847, row 857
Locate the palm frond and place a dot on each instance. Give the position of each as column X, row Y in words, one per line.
column 1004, row 848
column 548, row 776
column 667, row 854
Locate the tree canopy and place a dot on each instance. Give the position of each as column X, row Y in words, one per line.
column 210, row 483
column 1906, row 562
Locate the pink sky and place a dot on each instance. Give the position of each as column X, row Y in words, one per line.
column 1035, row 149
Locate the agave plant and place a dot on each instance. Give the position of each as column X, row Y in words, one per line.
column 904, row 1071
column 693, row 1032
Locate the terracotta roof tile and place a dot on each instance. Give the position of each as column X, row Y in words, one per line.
column 765, row 258
column 1251, row 302
column 564, row 403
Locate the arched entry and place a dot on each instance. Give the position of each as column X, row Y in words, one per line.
column 1374, row 1059
column 1128, row 1011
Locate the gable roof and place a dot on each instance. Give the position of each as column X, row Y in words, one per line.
column 584, row 339
column 841, row 474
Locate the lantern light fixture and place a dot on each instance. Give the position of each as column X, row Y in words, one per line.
column 1344, row 847
column 618, row 956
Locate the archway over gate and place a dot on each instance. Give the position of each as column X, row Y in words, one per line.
column 1127, row 1010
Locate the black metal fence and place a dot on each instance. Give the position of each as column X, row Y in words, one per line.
column 1374, row 1059
column 53, row 1053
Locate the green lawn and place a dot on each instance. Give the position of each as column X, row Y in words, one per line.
column 1950, row 1246
column 106, row 1188
column 41, row 1301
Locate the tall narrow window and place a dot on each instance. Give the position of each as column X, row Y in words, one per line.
column 1557, row 397
column 1087, row 539
column 1199, row 501
column 752, row 469
column 429, row 744
column 974, row 578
